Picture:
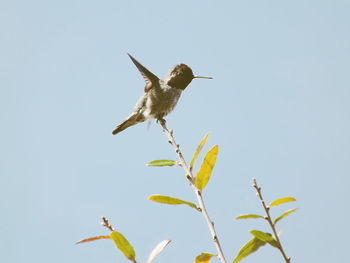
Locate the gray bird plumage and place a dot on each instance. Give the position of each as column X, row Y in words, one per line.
column 160, row 97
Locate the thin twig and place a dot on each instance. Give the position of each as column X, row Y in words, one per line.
column 106, row 224
column 269, row 219
column 198, row 193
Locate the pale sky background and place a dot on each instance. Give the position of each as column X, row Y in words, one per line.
column 278, row 107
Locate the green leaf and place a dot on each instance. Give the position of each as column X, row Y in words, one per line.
column 266, row 237
column 123, row 245
column 203, row 258
column 206, row 169
column 250, row 247
column 171, row 201
column 284, row 215
column 158, row 248
column 249, row 216
column 198, row 150
column 92, row 239
column 282, row 201
column 162, row 163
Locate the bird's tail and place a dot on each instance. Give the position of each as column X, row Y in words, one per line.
column 130, row 121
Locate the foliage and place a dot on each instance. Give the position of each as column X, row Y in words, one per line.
column 198, row 184
column 261, row 238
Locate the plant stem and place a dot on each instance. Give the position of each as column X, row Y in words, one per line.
column 269, row 219
column 198, row 193
column 106, row 223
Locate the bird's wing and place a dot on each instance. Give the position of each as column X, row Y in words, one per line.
column 150, row 78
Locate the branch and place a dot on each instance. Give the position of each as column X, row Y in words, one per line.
column 269, row 219
column 106, row 223
column 198, row 193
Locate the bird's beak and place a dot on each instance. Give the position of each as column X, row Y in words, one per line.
column 201, row 77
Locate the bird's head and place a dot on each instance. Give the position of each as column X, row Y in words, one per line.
column 180, row 76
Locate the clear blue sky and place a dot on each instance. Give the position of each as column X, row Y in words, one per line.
column 278, row 107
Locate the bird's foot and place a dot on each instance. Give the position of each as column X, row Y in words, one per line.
column 161, row 121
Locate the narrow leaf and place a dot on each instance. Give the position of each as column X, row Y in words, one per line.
column 284, row 215
column 170, row 200
column 203, row 258
column 157, row 249
column 249, row 216
column 198, row 150
column 161, row 163
column 123, row 245
column 266, row 237
column 282, row 201
column 206, row 169
column 92, row 239
column 250, row 247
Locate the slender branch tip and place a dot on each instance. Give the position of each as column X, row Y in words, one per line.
column 190, row 177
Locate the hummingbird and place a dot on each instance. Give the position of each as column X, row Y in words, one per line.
column 160, row 96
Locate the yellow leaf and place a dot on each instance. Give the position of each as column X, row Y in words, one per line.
column 249, row 216
column 282, row 201
column 206, row 169
column 250, row 247
column 198, row 150
column 284, row 215
column 204, row 258
column 170, row 200
column 161, row 163
column 123, row 245
column 266, row 237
